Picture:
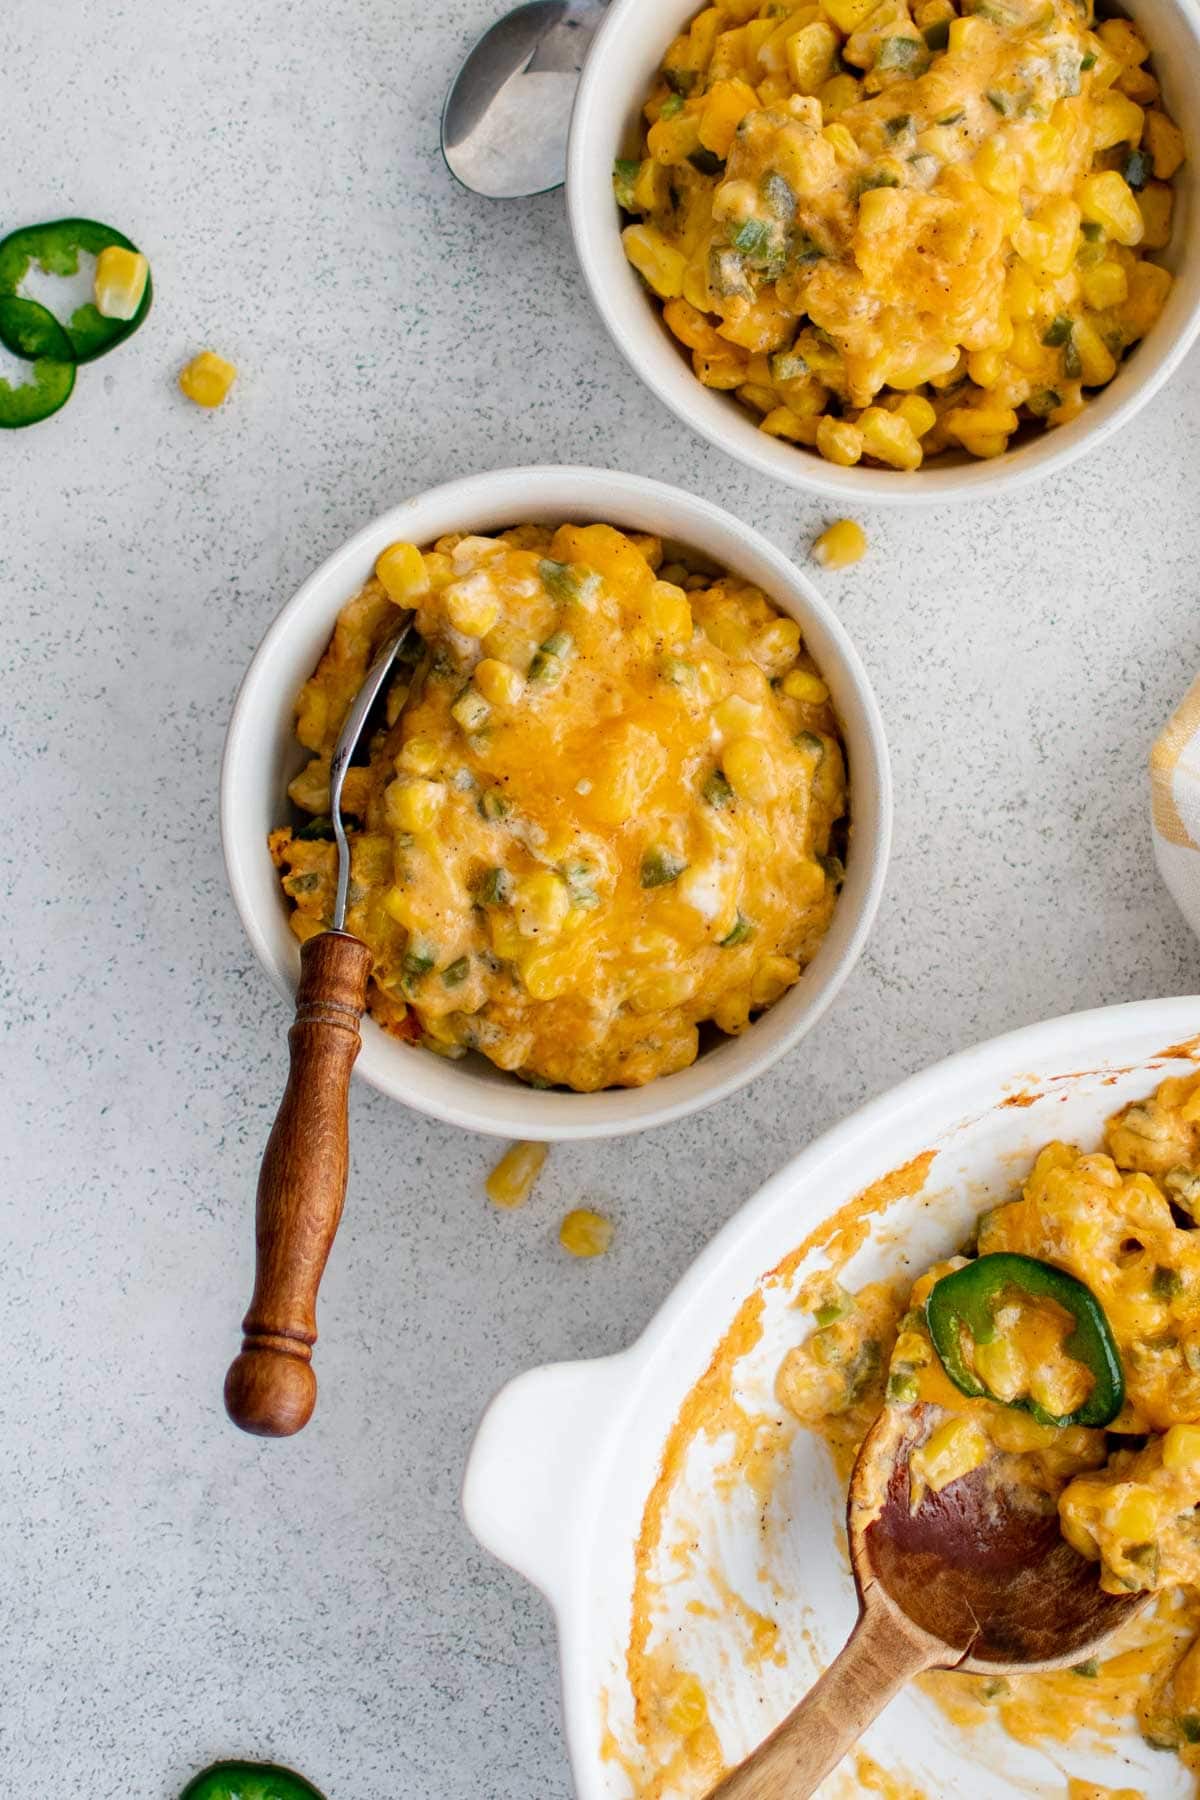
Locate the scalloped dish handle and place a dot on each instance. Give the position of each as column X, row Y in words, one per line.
column 534, row 1448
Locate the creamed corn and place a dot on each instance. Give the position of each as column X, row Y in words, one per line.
column 602, row 810
column 897, row 227
column 1123, row 1221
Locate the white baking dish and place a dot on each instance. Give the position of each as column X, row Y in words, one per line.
column 566, row 1456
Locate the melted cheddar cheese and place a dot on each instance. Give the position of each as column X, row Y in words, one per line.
column 893, row 229
column 602, row 809
column 1122, row 1221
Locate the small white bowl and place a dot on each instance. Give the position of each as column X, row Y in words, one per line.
column 620, row 68
column 261, row 756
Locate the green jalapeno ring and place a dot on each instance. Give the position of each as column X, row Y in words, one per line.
column 968, row 1297
column 33, row 333
column 249, row 1781
column 55, row 247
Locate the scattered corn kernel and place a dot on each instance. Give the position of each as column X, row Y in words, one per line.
column 1106, row 200
column 207, row 378
column 840, row 544
column 498, row 682
column 1137, row 1515
column 839, row 441
column 414, row 805
column 514, row 1175
column 659, row 264
column 471, row 606
column 585, row 1233
column 1104, row 285
column 749, row 770
column 120, row 282
column 1181, row 1448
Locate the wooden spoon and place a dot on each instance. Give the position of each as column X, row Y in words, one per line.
column 976, row 1578
column 271, row 1389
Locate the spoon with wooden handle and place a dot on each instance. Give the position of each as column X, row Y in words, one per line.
column 271, row 1389
column 977, row 1577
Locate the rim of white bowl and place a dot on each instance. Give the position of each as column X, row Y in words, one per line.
column 636, row 328
column 485, row 1099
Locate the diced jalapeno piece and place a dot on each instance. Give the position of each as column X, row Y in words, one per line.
column 951, row 118
column 1089, row 1668
column 706, row 162
column 901, row 53
column 742, row 930
column 680, row 81
column 1166, row 1283
column 811, row 743
column 1087, row 62
column 897, row 126
column 318, row 830
column 840, row 1307
column 1001, row 102
column 249, row 1781
column 548, row 662
column 580, row 879
column 1072, row 361
column 1058, row 331
column 457, row 971
column 752, row 238
column 55, row 248
column 419, row 958
column 1137, row 168
column 877, row 178
column 493, row 805
column 493, row 888
column 1043, row 403
column 671, row 105
column 779, row 195
column 625, row 173
column 903, row 1388
column 678, row 672
column 661, row 866
column 717, row 791
column 567, row 582
column 787, row 365
column 470, row 710
column 835, row 869
column 937, row 35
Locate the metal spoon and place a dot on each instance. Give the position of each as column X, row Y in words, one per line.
column 974, row 1578
column 504, row 124
column 270, row 1389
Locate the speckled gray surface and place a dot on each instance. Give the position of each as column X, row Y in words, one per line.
column 171, row 1590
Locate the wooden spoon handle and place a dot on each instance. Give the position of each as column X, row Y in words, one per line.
column 884, row 1651
column 270, row 1388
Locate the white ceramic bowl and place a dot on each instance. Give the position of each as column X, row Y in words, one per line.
column 566, row 1456
column 261, row 756
column 624, row 57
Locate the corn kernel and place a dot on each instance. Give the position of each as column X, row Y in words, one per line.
column 996, row 168
column 419, row 756
column 514, row 1175
column 1137, row 1515
column 414, row 805
column 659, row 264
column 776, row 646
column 1021, row 293
column 1115, row 119
column 810, row 56
column 672, row 141
column 585, row 1233
column 841, row 544
column 1097, row 364
column 661, row 992
column 749, row 770
column 1155, row 203
column 401, row 569
column 207, row 378
column 1047, row 241
column 735, row 715
column 802, row 684
column 1106, row 199
column 1123, row 40
column 1164, row 140
column 726, row 105
column 950, row 1452
column 839, row 441
column 889, row 438
column 783, row 422
column 972, row 33
column 1149, row 286
column 120, row 282
column 541, row 904
column 546, row 974
column 1139, row 85
column 919, row 413
column 498, row 682
column 665, row 611
column 1181, row 1448
column 471, row 605
column 772, row 978
column 470, row 711
column 835, row 95
column 690, row 326
column 1104, row 285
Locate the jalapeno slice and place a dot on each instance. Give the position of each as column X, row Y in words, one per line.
column 249, row 1781
column 969, row 1300
column 34, row 334
column 55, row 248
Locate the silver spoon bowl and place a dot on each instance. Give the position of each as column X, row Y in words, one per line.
column 506, row 117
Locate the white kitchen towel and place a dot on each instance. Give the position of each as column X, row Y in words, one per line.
column 1175, row 804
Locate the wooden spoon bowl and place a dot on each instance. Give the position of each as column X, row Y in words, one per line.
column 977, row 1577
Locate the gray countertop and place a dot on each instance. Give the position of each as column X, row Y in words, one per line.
column 174, row 1591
